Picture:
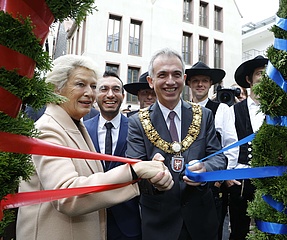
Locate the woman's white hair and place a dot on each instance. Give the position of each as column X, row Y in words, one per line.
column 63, row 66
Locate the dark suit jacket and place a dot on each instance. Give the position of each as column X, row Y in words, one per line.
column 163, row 213
column 126, row 214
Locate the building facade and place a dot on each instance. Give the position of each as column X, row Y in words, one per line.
column 256, row 38
column 123, row 35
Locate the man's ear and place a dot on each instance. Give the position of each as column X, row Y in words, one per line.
column 184, row 78
column 150, row 81
column 247, row 80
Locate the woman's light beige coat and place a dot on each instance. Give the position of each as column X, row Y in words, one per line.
column 76, row 218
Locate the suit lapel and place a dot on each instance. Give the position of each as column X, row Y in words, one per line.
column 80, row 137
column 159, row 123
column 94, row 133
column 186, row 118
column 86, row 140
column 122, row 139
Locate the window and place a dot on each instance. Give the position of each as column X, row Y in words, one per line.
column 202, row 49
column 135, row 37
column 187, row 10
column 186, row 47
column 114, row 34
column 72, row 45
column 84, row 28
column 217, row 54
column 217, row 18
column 186, row 93
column 77, row 41
column 203, row 14
column 217, row 59
column 133, row 76
column 112, row 67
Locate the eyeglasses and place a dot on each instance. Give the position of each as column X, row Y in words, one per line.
column 115, row 89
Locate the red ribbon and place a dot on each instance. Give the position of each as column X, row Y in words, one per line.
column 30, row 198
column 12, row 60
column 14, row 143
column 10, row 142
column 36, row 10
column 9, row 103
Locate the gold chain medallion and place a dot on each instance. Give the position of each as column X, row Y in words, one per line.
column 174, row 147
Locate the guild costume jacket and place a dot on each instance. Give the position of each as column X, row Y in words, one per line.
column 163, row 213
column 79, row 217
column 243, row 129
column 126, row 215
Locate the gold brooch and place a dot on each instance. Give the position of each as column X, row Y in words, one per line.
column 174, row 147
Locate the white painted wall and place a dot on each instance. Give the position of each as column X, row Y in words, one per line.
column 162, row 27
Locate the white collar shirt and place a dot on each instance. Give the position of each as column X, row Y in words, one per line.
column 225, row 126
column 177, row 119
column 116, row 121
column 256, row 116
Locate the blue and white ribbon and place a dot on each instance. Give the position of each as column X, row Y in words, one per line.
column 281, row 22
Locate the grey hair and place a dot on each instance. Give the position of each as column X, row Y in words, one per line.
column 165, row 52
column 63, row 67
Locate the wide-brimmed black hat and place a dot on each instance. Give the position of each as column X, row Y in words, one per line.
column 247, row 68
column 134, row 87
column 200, row 68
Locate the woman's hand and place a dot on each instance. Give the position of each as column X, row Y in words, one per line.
column 155, row 171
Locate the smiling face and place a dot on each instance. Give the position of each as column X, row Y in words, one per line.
column 109, row 96
column 80, row 90
column 199, row 85
column 146, row 97
column 168, row 80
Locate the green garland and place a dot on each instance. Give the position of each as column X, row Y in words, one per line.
column 16, row 34
column 75, row 9
column 269, row 145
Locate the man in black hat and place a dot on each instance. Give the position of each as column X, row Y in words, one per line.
column 248, row 120
column 142, row 90
column 200, row 78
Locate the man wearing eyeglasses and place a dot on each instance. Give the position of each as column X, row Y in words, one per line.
column 108, row 131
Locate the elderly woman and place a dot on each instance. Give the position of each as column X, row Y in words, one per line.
column 79, row 217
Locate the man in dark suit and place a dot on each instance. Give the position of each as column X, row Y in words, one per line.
column 200, row 79
column 142, row 90
column 187, row 211
column 123, row 220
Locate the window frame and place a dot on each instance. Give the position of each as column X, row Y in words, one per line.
column 203, row 14
column 218, row 18
column 112, row 66
column 187, row 55
column 187, row 15
column 130, row 98
column 132, row 48
column 203, row 49
column 112, row 46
